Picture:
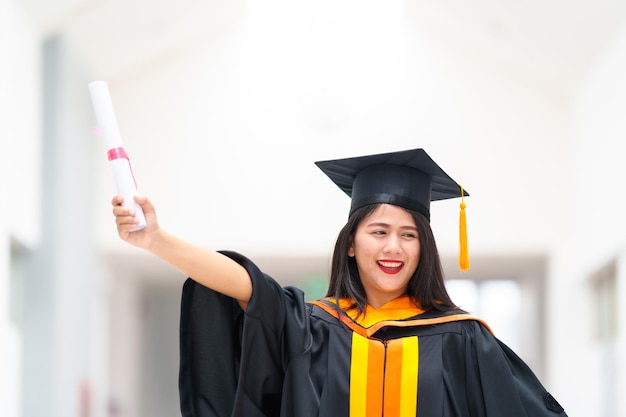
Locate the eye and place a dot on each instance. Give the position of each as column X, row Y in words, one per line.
column 410, row 235
column 379, row 232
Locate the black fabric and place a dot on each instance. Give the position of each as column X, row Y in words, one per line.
column 209, row 329
column 294, row 361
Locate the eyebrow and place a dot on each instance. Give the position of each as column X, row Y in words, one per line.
column 383, row 224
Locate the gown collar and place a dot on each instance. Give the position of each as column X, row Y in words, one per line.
column 401, row 308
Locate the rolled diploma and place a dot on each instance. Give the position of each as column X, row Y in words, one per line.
column 120, row 164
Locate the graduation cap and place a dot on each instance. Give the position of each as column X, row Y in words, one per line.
column 409, row 179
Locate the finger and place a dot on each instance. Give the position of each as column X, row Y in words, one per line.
column 117, row 200
column 123, row 211
column 126, row 221
column 144, row 202
column 126, row 230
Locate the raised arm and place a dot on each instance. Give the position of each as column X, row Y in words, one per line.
column 207, row 267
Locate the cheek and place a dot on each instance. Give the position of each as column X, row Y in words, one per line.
column 417, row 254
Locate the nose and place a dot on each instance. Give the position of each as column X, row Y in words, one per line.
column 392, row 245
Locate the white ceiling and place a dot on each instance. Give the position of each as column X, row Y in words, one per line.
column 550, row 43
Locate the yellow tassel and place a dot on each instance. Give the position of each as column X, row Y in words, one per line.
column 464, row 263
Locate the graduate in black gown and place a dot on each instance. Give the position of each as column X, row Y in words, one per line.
column 387, row 340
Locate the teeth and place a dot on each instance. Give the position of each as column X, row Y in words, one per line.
column 390, row 264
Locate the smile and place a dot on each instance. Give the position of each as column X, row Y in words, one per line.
column 390, row 267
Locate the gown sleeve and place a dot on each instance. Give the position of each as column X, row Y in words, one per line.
column 231, row 363
column 202, row 341
column 499, row 383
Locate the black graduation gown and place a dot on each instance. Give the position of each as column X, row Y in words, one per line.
column 288, row 358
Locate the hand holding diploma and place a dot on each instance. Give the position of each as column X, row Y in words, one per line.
column 120, row 164
column 127, row 222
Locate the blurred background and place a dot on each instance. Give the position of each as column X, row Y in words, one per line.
column 225, row 105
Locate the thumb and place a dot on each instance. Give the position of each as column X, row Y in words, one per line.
column 145, row 203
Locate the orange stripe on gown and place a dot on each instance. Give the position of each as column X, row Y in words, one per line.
column 383, row 380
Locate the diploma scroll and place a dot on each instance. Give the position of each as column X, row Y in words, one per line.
column 120, row 164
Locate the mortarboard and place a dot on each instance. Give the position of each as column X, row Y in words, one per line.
column 409, row 179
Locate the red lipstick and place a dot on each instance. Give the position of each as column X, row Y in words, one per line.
column 389, row 266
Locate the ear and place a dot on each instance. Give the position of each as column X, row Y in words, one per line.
column 351, row 250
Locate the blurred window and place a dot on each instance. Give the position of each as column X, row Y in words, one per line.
column 17, row 274
column 605, row 328
column 498, row 302
column 509, row 294
column 604, row 284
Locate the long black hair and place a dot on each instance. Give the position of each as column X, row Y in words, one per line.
column 426, row 286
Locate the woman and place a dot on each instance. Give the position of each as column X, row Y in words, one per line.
column 386, row 341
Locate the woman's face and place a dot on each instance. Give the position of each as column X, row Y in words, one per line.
column 386, row 247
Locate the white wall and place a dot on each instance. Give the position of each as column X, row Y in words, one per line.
column 45, row 352
column 19, row 182
column 5, row 355
column 23, row 121
column 593, row 206
column 231, row 127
